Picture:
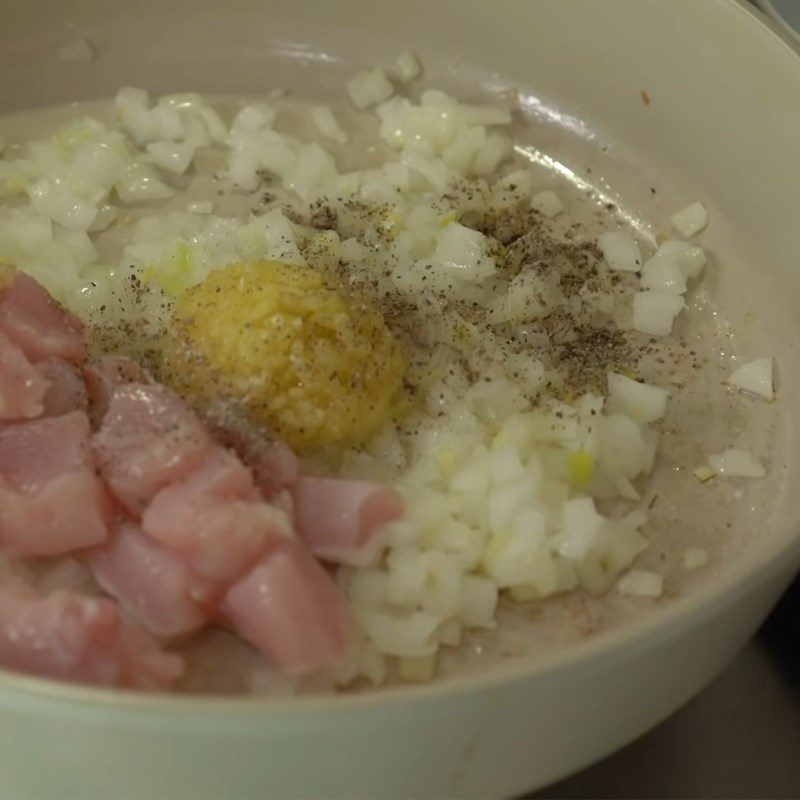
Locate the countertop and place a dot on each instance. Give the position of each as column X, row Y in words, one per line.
column 740, row 738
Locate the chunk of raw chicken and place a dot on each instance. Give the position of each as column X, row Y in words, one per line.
column 66, row 391
column 338, row 519
column 291, row 610
column 51, row 500
column 79, row 638
column 148, row 438
column 151, row 583
column 214, row 518
column 103, row 376
column 22, row 387
column 35, row 322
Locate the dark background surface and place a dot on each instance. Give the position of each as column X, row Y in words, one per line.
column 740, row 738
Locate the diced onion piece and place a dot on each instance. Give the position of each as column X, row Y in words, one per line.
column 171, row 156
column 106, row 214
column 755, row 377
column 30, row 232
column 695, row 557
column 581, row 525
column 489, row 156
column 369, row 87
column 253, row 117
column 654, row 312
column 703, row 474
column 405, row 68
column 639, row 401
column 478, row 601
column 462, row 251
column 663, row 276
column 140, row 183
column 411, row 635
column 735, row 463
column 326, row 123
column 417, row 669
column 51, row 198
column 214, row 124
column 687, row 257
column 691, row 219
column 641, row 583
column 547, row 203
column 620, row 251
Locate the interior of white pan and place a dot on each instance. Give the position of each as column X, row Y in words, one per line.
column 603, row 103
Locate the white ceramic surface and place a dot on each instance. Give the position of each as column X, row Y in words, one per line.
column 723, row 123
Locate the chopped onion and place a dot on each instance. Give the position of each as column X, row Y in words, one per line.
column 106, row 214
column 620, row 250
column 171, row 156
column 641, row 583
column 695, row 557
column 755, row 377
column 405, row 68
column 51, row 198
column 369, row 88
column 703, row 474
column 735, row 463
column 547, row 203
column 687, row 257
column 663, row 276
column 140, row 183
column 30, row 232
column 326, row 123
column 581, row 526
column 417, row 669
column 496, row 148
column 639, row 401
column 462, row 251
column 654, row 312
column 691, row 219
column 214, row 125
column 253, row 117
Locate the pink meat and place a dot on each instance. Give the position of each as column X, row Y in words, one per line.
column 291, row 610
column 103, row 376
column 67, row 391
column 215, row 519
column 79, row 638
column 51, row 500
column 35, row 322
column 338, row 518
column 22, row 388
column 274, row 464
column 148, row 439
column 150, row 582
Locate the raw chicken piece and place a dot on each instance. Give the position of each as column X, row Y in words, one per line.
column 148, row 439
column 67, row 391
column 103, row 376
column 79, row 638
column 151, row 583
column 215, row 519
column 274, row 464
column 22, row 388
column 35, row 322
column 291, row 610
column 51, row 500
column 338, row 518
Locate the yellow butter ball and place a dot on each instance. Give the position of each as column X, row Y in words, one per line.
column 315, row 367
